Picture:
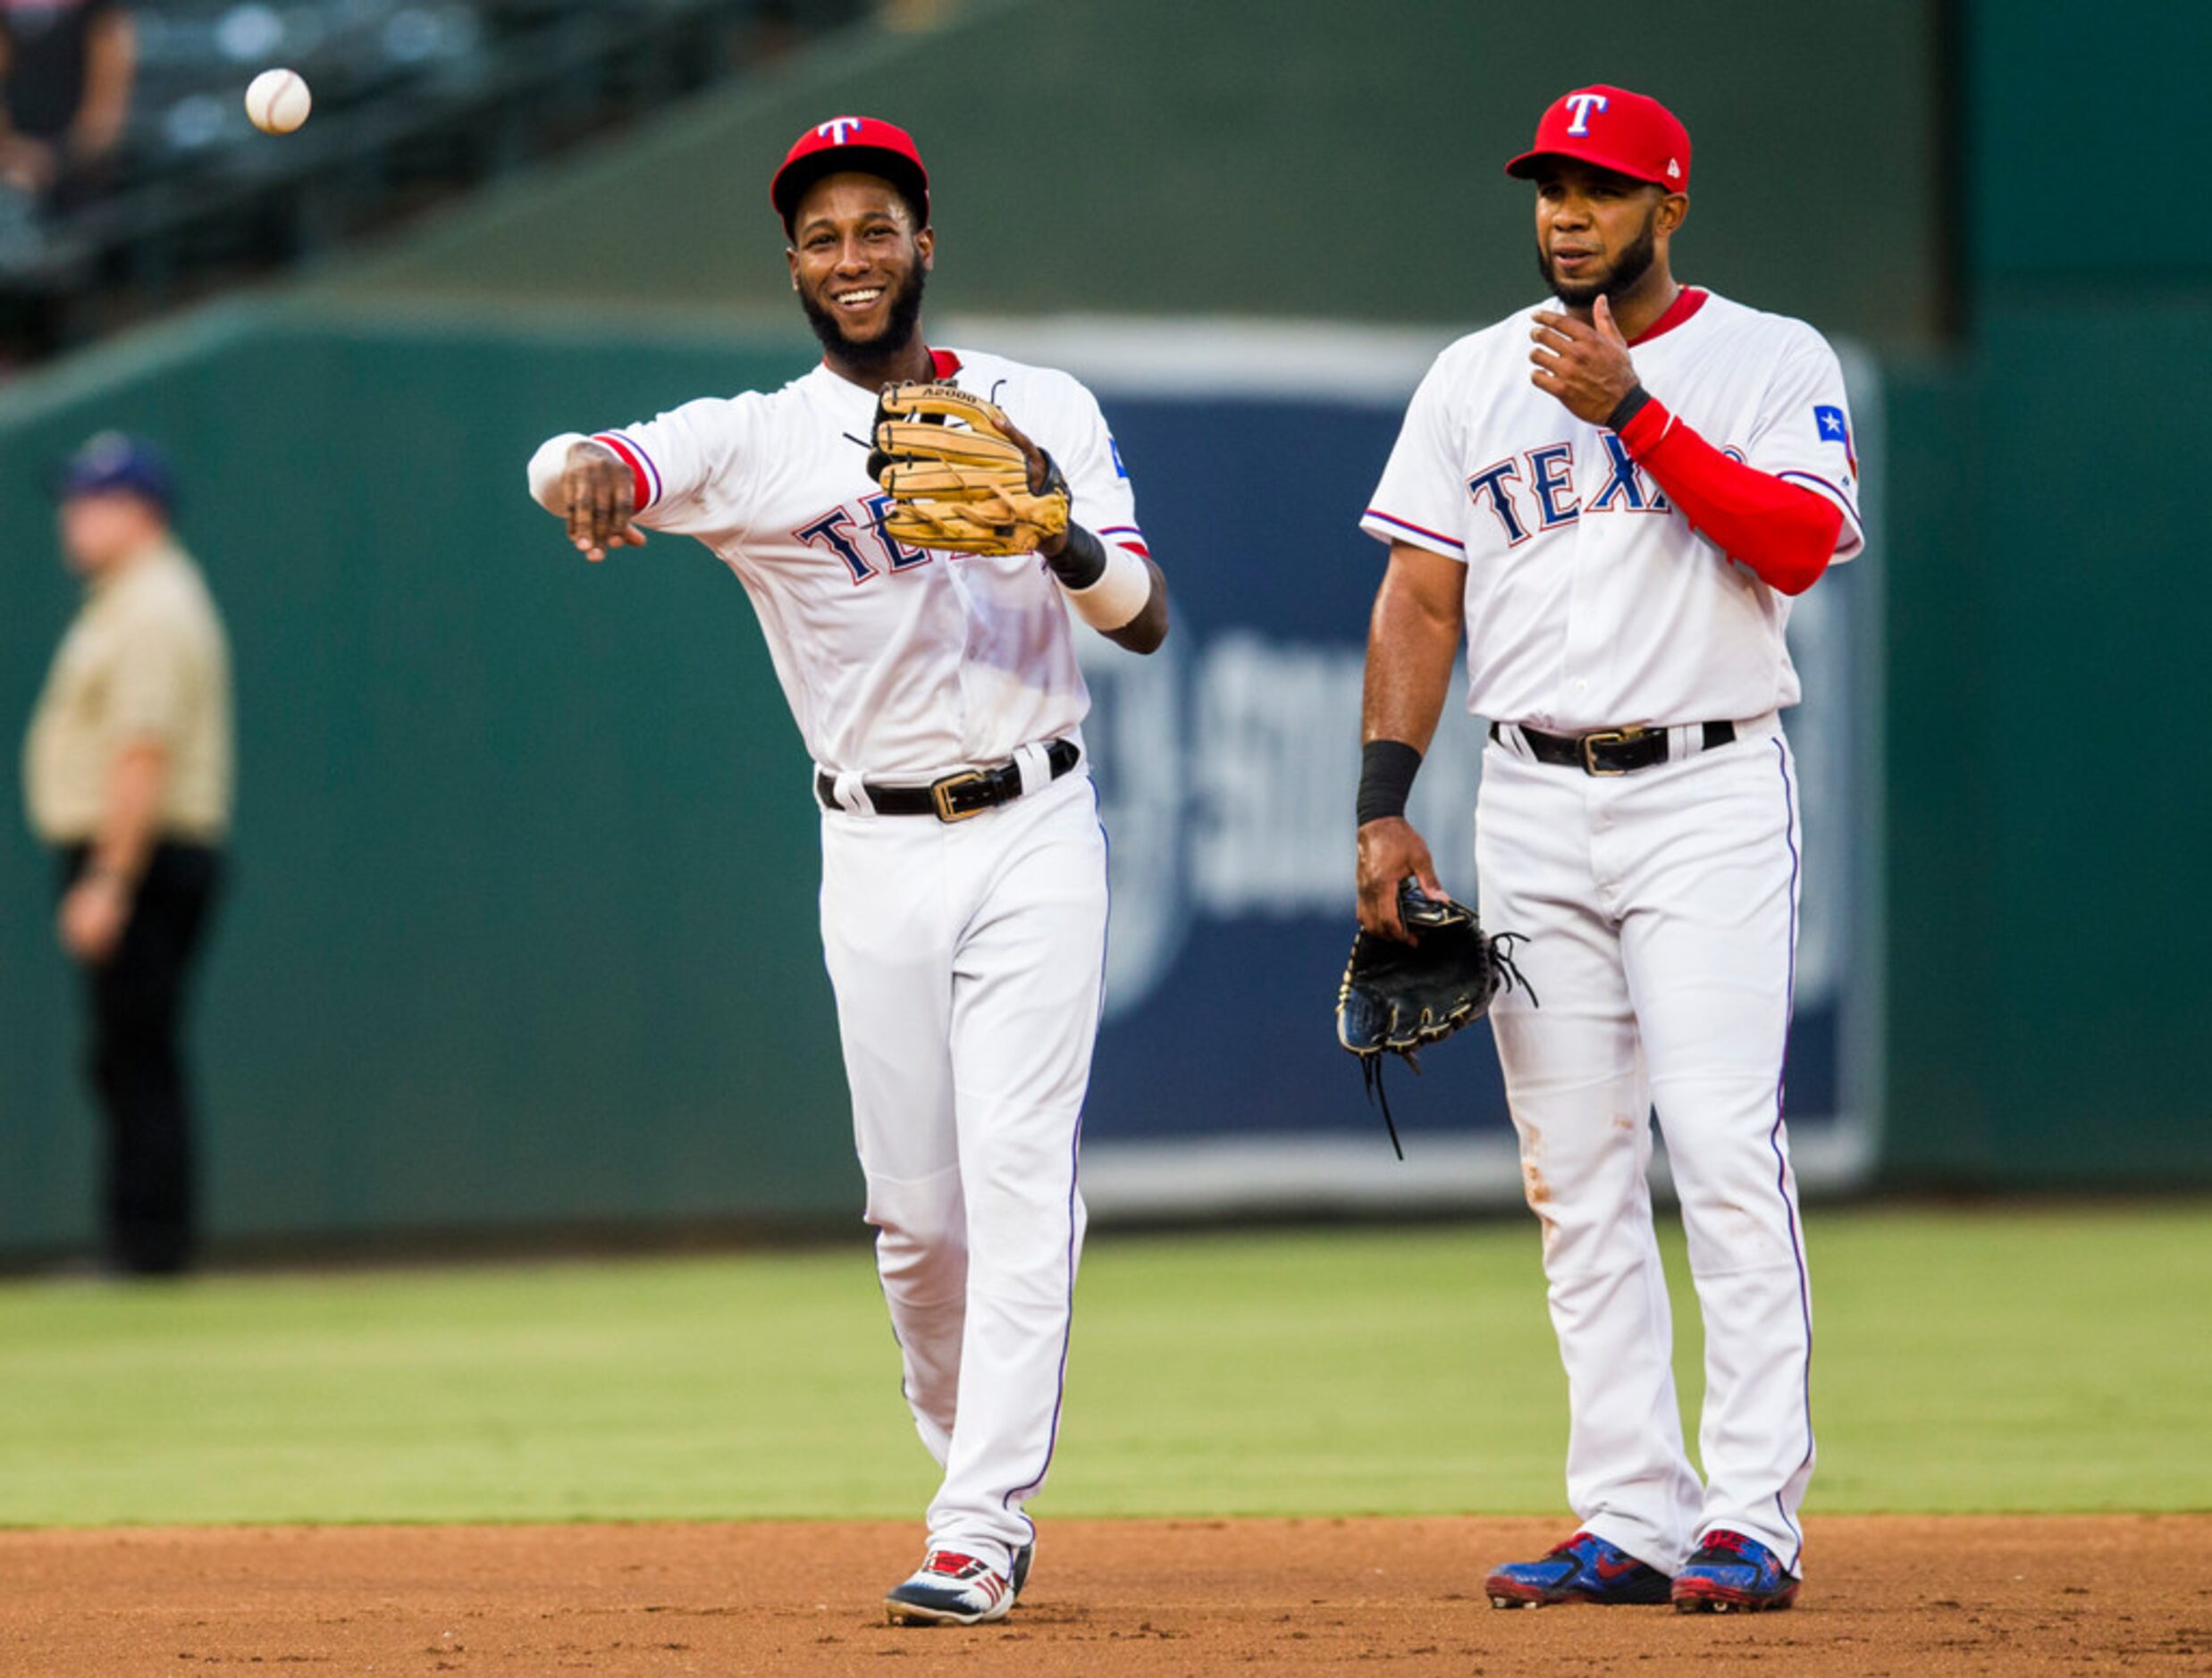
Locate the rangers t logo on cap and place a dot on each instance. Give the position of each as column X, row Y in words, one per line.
column 1639, row 137
column 1584, row 104
column 867, row 145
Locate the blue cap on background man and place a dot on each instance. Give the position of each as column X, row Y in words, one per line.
column 116, row 462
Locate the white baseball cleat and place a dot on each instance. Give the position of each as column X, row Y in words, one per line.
column 952, row 1588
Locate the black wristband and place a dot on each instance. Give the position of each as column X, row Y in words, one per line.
column 1386, row 772
column 1082, row 562
column 1627, row 408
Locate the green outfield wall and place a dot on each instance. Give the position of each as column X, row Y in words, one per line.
column 2049, row 819
column 1262, row 157
column 524, row 924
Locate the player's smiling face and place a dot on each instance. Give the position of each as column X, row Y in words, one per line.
column 1597, row 232
column 857, row 262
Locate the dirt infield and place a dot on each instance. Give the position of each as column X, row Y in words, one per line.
column 2070, row 1594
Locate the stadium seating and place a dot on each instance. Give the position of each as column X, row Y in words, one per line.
column 414, row 100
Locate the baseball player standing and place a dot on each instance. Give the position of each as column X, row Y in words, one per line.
column 1614, row 499
column 963, row 899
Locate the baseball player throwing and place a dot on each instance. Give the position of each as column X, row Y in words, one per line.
column 1614, row 498
column 963, row 899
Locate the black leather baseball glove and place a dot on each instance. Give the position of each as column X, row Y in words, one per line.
column 1404, row 996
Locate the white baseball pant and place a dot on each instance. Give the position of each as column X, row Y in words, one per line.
column 967, row 959
column 1660, row 912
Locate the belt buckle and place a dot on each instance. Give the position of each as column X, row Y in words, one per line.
column 941, row 792
column 1605, row 737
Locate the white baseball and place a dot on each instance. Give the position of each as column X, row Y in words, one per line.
column 277, row 101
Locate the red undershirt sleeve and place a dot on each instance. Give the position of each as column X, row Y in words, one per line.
column 1785, row 534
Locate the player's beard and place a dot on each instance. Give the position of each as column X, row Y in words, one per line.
column 870, row 353
column 1632, row 264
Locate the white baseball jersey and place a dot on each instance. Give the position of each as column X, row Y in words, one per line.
column 1659, row 907
column 968, row 956
column 1591, row 603
column 899, row 663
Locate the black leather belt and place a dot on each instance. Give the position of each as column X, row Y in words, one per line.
column 954, row 797
column 1610, row 750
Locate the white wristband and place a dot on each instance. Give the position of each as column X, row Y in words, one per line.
column 1123, row 591
column 546, row 467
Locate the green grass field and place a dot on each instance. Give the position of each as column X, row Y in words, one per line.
column 2036, row 1360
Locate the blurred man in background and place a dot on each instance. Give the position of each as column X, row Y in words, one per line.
column 128, row 774
column 66, row 68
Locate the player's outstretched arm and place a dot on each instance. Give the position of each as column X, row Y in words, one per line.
column 1413, row 641
column 591, row 489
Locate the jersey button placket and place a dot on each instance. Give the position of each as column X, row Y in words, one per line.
column 962, row 725
column 1589, row 626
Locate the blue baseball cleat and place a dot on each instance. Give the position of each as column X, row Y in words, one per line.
column 1583, row 1569
column 1731, row 1573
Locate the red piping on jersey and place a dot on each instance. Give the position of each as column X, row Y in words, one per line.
column 1785, row 534
column 1835, row 494
column 632, row 456
column 1686, row 302
column 1406, row 523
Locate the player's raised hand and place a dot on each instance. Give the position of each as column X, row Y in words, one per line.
column 1390, row 851
column 596, row 488
column 1584, row 364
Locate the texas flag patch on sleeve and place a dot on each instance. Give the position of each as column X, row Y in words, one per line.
column 1836, row 429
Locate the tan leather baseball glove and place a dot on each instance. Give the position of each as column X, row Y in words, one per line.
column 963, row 478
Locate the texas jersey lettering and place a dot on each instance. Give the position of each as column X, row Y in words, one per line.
column 899, row 663
column 1591, row 603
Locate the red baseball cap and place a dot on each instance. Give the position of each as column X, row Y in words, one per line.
column 866, row 144
column 1631, row 134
